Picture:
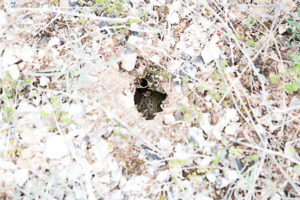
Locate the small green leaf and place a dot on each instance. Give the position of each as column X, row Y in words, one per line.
column 117, row 122
column 67, row 120
column 297, row 169
column 216, row 160
column 240, row 38
column 131, row 21
column 298, row 12
column 178, row 162
column 116, row 131
column 200, row 116
column 116, row 3
column 185, row 79
column 144, row 15
column 274, row 79
column 110, row 9
column 289, row 150
column 51, row 128
column 292, row 87
column 44, row 114
column 182, row 109
column 28, row 80
column 274, row 175
column 56, row 1
column 187, row 116
column 201, row 88
column 289, row 30
column 223, row 63
column 292, row 22
column 250, row 42
column 54, row 100
column 296, row 69
column 253, row 157
column 217, row 96
column 14, row 83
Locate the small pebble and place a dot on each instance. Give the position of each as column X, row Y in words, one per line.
column 56, row 147
column 21, row 176
column 129, row 59
column 3, row 18
column 169, row 119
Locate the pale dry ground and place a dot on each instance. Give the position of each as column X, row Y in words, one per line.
column 70, row 128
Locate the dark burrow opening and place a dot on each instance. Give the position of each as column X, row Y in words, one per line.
column 148, row 100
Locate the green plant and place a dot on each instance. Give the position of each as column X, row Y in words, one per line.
column 238, row 37
column 294, row 28
column 294, row 74
column 250, row 42
column 274, row 79
column 185, row 80
column 292, row 87
column 144, row 15
column 114, row 7
column 251, row 22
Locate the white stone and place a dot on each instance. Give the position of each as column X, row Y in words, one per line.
column 202, row 197
column 26, row 53
column 196, row 135
column 173, row 18
column 56, row 147
column 205, row 162
column 211, row 51
column 232, row 16
column 14, row 72
column 223, row 183
column 158, row 3
column 116, row 195
column 165, row 145
column 21, row 176
column 232, row 115
column 169, row 119
column 205, row 123
column 136, row 184
column 133, row 40
column 3, row 18
column 47, row 108
column 44, row 81
column 129, row 59
column 74, row 172
column 217, row 133
column 134, row 27
column 31, row 136
column 206, row 24
column 25, row 107
column 211, row 177
column 276, row 196
column 53, row 41
column 183, row 152
column 100, row 150
column 176, row 5
column 115, row 170
column 2, row 144
column 232, row 129
column 41, row 53
column 127, row 100
column 9, row 57
column 231, row 175
column 163, row 176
